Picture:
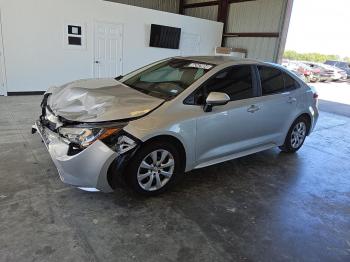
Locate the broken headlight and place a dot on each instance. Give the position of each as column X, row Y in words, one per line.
column 84, row 137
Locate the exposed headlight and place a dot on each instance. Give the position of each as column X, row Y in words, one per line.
column 86, row 136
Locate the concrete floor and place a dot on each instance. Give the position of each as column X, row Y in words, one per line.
column 268, row 206
column 338, row 92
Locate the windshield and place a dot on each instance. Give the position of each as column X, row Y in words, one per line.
column 169, row 78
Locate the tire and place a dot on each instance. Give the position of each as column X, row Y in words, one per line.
column 296, row 135
column 143, row 168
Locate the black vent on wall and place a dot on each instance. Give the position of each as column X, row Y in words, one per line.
column 165, row 36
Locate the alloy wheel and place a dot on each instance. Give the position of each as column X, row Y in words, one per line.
column 298, row 135
column 155, row 170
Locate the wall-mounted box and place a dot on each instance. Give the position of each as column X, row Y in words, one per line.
column 74, row 35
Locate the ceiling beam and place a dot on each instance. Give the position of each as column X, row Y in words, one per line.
column 200, row 4
column 239, row 1
column 255, row 34
column 223, row 10
column 182, row 7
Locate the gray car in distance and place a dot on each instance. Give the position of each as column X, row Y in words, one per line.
column 148, row 128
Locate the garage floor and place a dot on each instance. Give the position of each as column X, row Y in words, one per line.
column 268, row 206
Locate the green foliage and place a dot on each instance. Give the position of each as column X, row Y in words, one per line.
column 314, row 57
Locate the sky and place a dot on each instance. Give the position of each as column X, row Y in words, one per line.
column 321, row 26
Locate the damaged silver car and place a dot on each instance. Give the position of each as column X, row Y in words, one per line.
column 147, row 128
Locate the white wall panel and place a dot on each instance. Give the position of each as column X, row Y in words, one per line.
column 33, row 34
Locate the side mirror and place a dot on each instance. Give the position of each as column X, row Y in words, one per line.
column 215, row 99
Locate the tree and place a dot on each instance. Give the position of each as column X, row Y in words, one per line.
column 314, row 57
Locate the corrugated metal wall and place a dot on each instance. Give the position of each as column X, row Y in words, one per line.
column 257, row 16
column 249, row 17
column 162, row 5
column 207, row 12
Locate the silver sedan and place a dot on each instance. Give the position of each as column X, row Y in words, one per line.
column 147, row 128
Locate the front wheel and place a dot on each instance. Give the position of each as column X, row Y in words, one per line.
column 296, row 135
column 155, row 168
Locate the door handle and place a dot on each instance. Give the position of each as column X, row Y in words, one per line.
column 253, row 109
column 291, row 100
column 97, row 62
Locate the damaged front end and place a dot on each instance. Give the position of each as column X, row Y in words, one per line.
column 91, row 156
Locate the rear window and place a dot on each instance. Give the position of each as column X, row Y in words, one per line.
column 342, row 65
column 330, row 63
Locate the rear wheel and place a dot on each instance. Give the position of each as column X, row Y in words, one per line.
column 296, row 135
column 155, row 168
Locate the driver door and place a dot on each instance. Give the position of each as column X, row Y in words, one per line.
column 230, row 128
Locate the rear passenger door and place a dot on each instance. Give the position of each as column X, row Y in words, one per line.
column 280, row 97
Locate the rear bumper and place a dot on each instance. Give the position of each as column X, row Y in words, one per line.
column 87, row 169
column 315, row 114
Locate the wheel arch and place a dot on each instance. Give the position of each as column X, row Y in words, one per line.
column 173, row 140
column 309, row 119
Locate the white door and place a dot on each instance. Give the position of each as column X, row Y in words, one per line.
column 108, row 50
column 189, row 44
column 3, row 90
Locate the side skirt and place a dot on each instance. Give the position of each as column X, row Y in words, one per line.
column 236, row 155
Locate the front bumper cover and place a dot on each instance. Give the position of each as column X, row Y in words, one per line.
column 87, row 170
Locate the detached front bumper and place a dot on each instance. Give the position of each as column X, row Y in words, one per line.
column 87, row 169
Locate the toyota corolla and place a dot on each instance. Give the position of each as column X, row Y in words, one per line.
column 147, row 128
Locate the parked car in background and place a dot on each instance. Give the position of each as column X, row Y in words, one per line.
column 326, row 73
column 338, row 74
column 343, row 74
column 310, row 74
column 147, row 128
column 300, row 75
column 341, row 65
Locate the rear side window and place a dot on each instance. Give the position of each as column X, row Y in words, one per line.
column 274, row 81
column 289, row 83
column 235, row 81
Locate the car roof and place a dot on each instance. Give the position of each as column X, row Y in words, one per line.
column 221, row 60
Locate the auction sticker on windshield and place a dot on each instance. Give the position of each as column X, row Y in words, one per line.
column 200, row 66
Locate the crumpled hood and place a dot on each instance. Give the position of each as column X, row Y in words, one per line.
column 97, row 100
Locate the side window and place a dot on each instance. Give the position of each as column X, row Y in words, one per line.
column 272, row 81
column 235, row 81
column 289, row 83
